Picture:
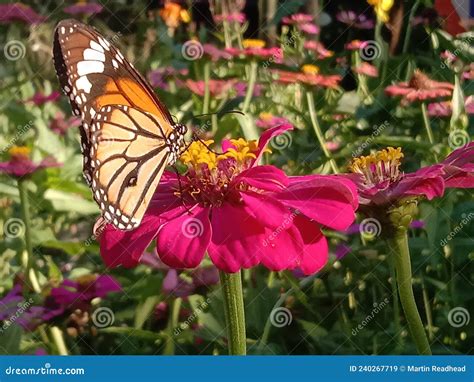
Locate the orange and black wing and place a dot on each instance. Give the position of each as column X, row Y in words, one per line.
column 126, row 130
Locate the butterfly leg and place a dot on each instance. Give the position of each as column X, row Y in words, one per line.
column 178, row 175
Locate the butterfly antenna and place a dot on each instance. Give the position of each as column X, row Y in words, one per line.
column 219, row 113
column 197, row 138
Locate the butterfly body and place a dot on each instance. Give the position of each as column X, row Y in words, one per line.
column 127, row 135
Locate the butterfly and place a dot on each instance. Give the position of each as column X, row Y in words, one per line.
column 128, row 136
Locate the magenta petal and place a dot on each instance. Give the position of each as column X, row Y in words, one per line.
column 281, row 249
column 182, row 241
column 348, row 180
column 234, row 238
column 268, row 135
column 268, row 211
column 314, row 255
column 459, row 179
column 268, row 178
column 427, row 181
column 126, row 247
column 326, row 199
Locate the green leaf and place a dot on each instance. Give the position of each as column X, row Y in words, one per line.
column 71, row 248
column 314, row 331
column 134, row 333
column 10, row 339
column 63, row 201
column 458, row 116
column 144, row 310
column 54, row 273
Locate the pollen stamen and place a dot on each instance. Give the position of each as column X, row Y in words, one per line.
column 379, row 167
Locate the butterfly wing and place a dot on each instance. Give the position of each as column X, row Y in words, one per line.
column 102, row 86
column 128, row 159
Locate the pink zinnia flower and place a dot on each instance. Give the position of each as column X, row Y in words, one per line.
column 359, row 21
column 217, row 88
column 458, row 167
column 444, row 109
column 268, row 121
column 367, row 69
column 356, row 45
column 255, row 48
column 241, row 213
column 309, row 28
column 216, row 53
column 19, row 12
column 420, row 88
column 40, row 99
column 381, row 183
column 318, row 48
column 60, row 125
column 241, row 89
column 21, row 165
column 297, row 18
column 307, row 78
column 159, row 77
column 78, row 294
column 82, row 8
column 236, row 17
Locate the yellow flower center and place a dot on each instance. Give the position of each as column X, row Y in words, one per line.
column 378, row 167
column 310, row 69
column 382, row 8
column 253, row 43
column 19, row 151
column 198, row 154
column 265, row 116
column 243, row 150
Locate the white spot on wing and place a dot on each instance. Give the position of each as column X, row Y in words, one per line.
column 96, row 46
column 94, row 55
column 83, row 83
column 87, row 67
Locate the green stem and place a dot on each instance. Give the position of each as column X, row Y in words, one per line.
column 172, row 324
column 399, row 246
column 406, row 42
column 245, row 121
column 426, row 122
column 207, row 76
column 58, row 339
column 25, row 211
column 319, row 133
column 396, row 306
column 250, row 85
column 429, row 316
column 234, row 312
